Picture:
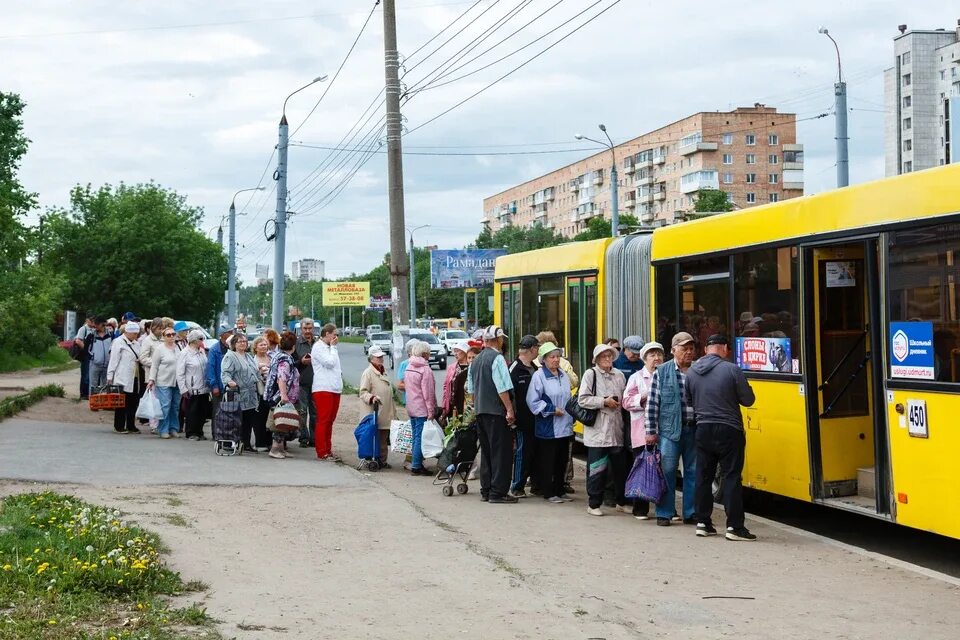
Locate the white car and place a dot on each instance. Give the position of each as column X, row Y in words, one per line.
column 208, row 341
column 384, row 340
column 449, row 337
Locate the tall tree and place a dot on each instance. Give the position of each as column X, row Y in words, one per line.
column 516, row 239
column 712, row 201
column 15, row 201
column 599, row 227
column 137, row 248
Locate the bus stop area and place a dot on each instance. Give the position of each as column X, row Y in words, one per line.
column 302, row 549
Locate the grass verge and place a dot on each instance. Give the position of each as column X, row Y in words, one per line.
column 352, row 339
column 73, row 570
column 15, row 404
column 54, row 356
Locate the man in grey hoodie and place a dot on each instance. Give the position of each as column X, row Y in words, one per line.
column 717, row 389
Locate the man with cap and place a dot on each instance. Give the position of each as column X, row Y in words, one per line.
column 124, row 369
column 521, row 371
column 718, row 388
column 489, row 381
column 670, row 423
column 97, row 348
column 214, row 360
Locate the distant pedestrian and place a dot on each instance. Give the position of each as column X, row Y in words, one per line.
column 305, row 406
column 192, row 382
column 239, row 372
column 670, row 424
column 80, row 341
column 635, row 401
column 97, row 348
column 124, row 369
column 601, row 389
column 547, row 398
column 377, row 393
column 524, row 440
column 718, row 388
column 162, row 379
column 112, row 327
column 183, row 333
column 489, row 381
column 421, row 399
column 327, row 387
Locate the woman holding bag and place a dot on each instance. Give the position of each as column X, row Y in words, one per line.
column 239, row 373
column 635, row 401
column 283, row 393
column 421, row 400
column 191, row 378
column 547, row 395
column 377, row 393
column 124, row 369
column 263, row 355
column 162, row 380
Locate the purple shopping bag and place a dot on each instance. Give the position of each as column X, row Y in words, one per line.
column 646, row 480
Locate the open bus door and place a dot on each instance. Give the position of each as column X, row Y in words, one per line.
column 843, row 377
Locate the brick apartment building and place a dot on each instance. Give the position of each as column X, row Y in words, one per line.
column 751, row 153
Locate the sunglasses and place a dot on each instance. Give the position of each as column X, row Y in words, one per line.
column 169, row 335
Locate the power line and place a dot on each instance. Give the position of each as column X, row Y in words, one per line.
column 468, row 154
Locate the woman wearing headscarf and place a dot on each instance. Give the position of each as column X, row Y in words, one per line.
column 163, row 381
column 239, row 373
column 547, row 398
column 125, row 370
column 421, row 399
column 635, row 401
column 377, row 393
column 191, row 379
column 455, row 382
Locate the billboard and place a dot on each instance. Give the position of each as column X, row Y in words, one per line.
column 380, row 303
column 766, row 354
column 346, row 294
column 456, row 268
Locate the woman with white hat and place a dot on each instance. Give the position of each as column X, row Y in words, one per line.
column 125, row 370
column 455, row 383
column 601, row 389
column 547, row 398
column 376, row 392
column 192, row 382
column 635, row 401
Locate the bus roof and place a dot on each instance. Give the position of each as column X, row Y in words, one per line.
column 911, row 196
column 584, row 255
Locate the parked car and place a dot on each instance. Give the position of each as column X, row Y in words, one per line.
column 384, row 340
column 373, row 328
column 450, row 336
column 208, row 341
column 438, row 350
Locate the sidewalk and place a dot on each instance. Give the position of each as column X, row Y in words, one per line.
column 26, row 380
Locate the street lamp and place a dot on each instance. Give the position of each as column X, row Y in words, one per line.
column 279, row 285
column 413, row 279
column 614, row 196
column 232, row 268
column 840, row 114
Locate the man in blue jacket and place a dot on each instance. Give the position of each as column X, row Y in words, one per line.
column 214, row 359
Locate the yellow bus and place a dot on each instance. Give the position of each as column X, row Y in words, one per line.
column 844, row 309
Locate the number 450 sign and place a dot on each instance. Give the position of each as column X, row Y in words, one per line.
column 917, row 422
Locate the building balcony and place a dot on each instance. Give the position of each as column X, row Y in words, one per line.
column 699, row 146
column 574, row 185
column 699, row 180
column 597, row 179
column 793, row 147
column 646, row 164
column 659, row 159
column 629, row 168
column 787, row 166
column 641, row 182
column 791, row 186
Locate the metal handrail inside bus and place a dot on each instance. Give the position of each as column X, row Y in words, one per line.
column 843, row 389
column 843, row 360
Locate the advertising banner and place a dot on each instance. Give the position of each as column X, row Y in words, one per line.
column 379, row 303
column 346, row 294
column 911, row 350
column 765, row 354
column 456, row 268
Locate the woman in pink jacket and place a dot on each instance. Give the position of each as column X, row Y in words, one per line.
column 421, row 399
column 635, row 401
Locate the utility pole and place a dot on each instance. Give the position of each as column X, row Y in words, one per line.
column 413, row 290
column 614, row 195
column 232, row 253
column 398, row 269
column 40, row 246
column 840, row 113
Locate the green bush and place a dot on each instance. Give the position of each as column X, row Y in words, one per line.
column 28, row 304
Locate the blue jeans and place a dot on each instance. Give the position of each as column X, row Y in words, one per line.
column 169, row 398
column 670, row 454
column 416, row 424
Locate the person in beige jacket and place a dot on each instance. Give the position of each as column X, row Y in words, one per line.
column 601, row 389
column 377, row 393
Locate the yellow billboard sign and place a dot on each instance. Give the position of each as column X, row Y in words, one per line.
column 346, row 294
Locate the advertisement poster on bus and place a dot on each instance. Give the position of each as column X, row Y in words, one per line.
column 765, row 354
column 911, row 350
column 457, row 268
column 346, row 294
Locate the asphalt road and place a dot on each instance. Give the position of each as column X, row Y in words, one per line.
column 353, row 362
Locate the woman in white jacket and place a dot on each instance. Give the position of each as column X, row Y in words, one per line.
column 192, row 382
column 162, row 380
column 125, row 370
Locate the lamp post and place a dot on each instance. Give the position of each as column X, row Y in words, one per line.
column 413, row 280
column 279, row 285
column 840, row 112
column 232, row 253
column 614, row 196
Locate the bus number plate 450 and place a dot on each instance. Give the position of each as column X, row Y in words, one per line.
column 917, row 424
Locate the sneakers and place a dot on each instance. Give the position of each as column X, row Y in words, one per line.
column 555, row 500
column 663, row 522
column 675, row 518
column 705, row 530
column 740, row 534
column 565, row 497
column 422, row 471
column 691, row 520
column 518, row 493
column 165, row 436
column 594, row 511
column 385, row 465
column 641, row 516
column 305, row 445
column 484, row 498
column 621, row 508
column 502, row 500
column 276, row 454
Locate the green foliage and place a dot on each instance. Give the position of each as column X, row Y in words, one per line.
column 29, row 297
column 15, row 404
column 518, row 239
column 136, row 248
column 599, row 227
column 54, row 358
column 14, row 199
column 712, row 200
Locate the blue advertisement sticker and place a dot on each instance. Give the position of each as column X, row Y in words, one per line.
column 911, row 350
column 765, row 354
column 456, row 268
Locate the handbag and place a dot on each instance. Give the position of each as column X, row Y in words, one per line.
column 286, row 418
column 646, row 480
column 401, row 436
column 586, row 417
column 431, row 439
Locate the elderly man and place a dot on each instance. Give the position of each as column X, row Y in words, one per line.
column 521, row 372
column 301, row 356
column 488, row 379
column 87, row 328
column 670, row 422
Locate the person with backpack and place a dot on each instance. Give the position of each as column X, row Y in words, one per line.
column 524, row 450
column 96, row 346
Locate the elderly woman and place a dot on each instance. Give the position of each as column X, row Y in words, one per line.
column 635, row 401
column 263, row 356
column 283, row 389
column 273, row 340
column 124, row 369
column 601, row 389
column 162, row 380
column 547, row 398
column 455, row 383
column 191, row 379
column 239, row 373
column 421, row 399
column 377, row 393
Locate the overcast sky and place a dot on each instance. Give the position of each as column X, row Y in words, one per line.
column 188, row 94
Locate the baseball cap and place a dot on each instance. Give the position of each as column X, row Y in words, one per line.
column 681, row 338
column 493, row 332
column 528, row 342
column 375, row 352
column 718, row 338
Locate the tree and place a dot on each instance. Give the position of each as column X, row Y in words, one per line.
column 599, row 227
column 712, row 201
column 15, row 201
column 517, row 239
column 136, row 248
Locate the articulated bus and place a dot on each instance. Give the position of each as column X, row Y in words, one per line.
column 844, row 312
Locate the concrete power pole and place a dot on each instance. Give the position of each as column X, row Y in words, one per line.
column 280, row 242
column 843, row 161
column 399, row 270
column 232, row 269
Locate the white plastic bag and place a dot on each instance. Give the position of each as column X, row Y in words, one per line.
column 401, row 436
column 149, row 407
column 431, row 441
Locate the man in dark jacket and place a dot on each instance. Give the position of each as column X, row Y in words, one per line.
column 305, row 406
column 521, row 371
column 717, row 390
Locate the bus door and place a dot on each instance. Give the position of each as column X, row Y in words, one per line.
column 847, row 424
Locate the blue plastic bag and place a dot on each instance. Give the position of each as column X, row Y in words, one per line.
column 646, row 480
column 368, row 442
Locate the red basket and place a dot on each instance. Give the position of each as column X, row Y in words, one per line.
column 107, row 401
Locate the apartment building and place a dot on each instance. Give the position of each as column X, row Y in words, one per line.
column 922, row 99
column 750, row 153
column 308, row 269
